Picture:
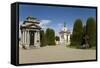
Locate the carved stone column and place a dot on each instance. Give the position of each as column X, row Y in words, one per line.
column 37, row 39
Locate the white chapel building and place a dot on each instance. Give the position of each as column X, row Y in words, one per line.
column 65, row 35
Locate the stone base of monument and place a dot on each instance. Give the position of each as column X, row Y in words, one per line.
column 33, row 47
column 25, row 47
column 30, row 47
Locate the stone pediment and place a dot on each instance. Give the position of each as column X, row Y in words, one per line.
column 30, row 26
column 30, row 23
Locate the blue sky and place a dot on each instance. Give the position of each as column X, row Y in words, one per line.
column 54, row 17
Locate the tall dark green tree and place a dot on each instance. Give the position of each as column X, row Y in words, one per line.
column 84, row 37
column 50, row 36
column 47, row 35
column 77, row 33
column 91, row 31
column 42, row 38
column 84, row 30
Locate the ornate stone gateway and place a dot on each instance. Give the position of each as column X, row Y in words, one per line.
column 30, row 33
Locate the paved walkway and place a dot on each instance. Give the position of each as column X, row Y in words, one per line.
column 55, row 53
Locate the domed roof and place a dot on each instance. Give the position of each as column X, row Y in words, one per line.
column 64, row 27
column 31, row 22
column 31, row 19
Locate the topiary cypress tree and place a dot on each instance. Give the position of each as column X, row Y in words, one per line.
column 91, row 31
column 77, row 33
column 42, row 38
column 50, row 36
column 47, row 35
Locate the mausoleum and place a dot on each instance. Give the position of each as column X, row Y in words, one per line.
column 30, row 33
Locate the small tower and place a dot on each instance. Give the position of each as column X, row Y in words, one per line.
column 64, row 35
column 64, row 28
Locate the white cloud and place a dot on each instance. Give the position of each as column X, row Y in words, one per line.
column 20, row 23
column 60, row 25
column 44, row 23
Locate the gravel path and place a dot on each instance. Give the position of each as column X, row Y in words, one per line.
column 55, row 53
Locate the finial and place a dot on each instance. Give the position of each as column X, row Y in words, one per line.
column 64, row 24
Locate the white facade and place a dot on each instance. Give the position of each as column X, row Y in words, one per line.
column 65, row 36
column 30, row 34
